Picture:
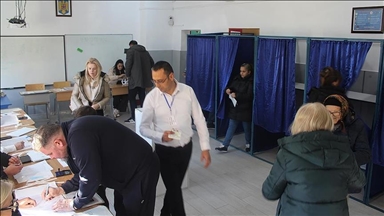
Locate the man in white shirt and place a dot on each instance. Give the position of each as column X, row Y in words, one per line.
column 166, row 119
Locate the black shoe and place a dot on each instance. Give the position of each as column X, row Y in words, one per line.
column 210, row 125
column 222, row 149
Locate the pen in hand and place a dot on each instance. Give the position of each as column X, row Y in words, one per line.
column 47, row 191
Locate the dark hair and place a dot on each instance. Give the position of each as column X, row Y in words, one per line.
column 117, row 70
column 163, row 65
column 330, row 75
column 84, row 111
column 247, row 66
column 133, row 42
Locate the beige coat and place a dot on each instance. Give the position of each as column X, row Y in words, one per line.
column 79, row 98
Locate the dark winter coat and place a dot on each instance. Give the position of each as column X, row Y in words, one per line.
column 243, row 88
column 139, row 67
column 356, row 131
column 4, row 163
column 312, row 175
column 319, row 94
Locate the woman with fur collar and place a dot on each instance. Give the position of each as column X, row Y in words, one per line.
column 91, row 88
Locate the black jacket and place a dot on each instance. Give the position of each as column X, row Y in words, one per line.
column 243, row 87
column 138, row 67
column 102, row 151
column 356, row 131
column 312, row 175
column 319, row 94
column 4, row 163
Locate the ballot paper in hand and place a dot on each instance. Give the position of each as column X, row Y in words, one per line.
column 234, row 101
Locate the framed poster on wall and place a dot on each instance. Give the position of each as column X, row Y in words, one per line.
column 63, row 8
column 367, row 20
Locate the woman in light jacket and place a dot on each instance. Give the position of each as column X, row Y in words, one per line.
column 91, row 88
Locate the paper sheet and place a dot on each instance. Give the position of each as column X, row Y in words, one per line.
column 234, row 101
column 5, row 144
column 35, row 172
column 9, row 119
column 45, row 207
column 62, row 162
column 37, row 156
column 20, row 131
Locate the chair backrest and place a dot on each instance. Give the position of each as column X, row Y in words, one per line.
column 62, row 84
column 34, row 87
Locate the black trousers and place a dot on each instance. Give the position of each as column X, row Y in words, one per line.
column 139, row 197
column 173, row 166
column 120, row 102
column 132, row 99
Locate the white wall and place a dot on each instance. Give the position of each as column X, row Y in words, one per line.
column 88, row 17
column 282, row 18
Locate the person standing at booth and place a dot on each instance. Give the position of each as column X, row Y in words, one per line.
column 241, row 90
column 170, row 108
column 138, row 66
column 347, row 123
column 91, row 88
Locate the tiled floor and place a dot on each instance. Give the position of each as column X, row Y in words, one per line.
column 231, row 185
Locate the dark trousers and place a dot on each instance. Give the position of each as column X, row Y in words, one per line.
column 173, row 166
column 132, row 99
column 120, row 102
column 139, row 197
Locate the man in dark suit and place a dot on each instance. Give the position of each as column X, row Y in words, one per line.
column 100, row 150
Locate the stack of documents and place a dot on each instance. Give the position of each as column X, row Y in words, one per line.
column 35, row 172
column 21, row 131
column 8, row 145
column 9, row 119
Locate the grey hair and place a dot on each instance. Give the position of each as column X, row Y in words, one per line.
column 43, row 135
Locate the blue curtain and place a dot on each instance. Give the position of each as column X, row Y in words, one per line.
column 201, row 70
column 346, row 56
column 274, row 104
column 228, row 47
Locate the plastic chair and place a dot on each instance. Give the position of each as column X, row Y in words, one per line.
column 36, row 99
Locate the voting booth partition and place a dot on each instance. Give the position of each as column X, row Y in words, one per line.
column 214, row 59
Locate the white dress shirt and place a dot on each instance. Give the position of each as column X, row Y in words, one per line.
column 168, row 112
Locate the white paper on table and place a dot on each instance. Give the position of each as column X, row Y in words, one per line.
column 35, row 172
column 9, row 119
column 234, row 101
column 43, row 207
column 37, row 156
column 62, row 162
column 26, row 139
column 96, row 199
column 21, row 131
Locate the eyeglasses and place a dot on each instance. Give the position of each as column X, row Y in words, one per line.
column 160, row 81
column 335, row 114
column 14, row 206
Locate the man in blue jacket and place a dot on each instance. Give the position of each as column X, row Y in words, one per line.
column 99, row 150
